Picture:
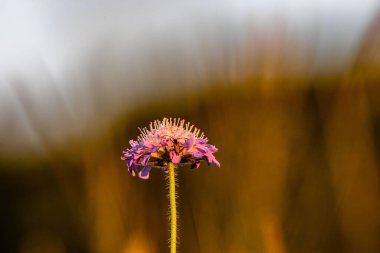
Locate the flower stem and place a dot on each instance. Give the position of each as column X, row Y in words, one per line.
column 173, row 209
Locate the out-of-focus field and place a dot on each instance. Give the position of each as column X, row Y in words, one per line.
column 300, row 169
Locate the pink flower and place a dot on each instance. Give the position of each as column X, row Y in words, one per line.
column 168, row 141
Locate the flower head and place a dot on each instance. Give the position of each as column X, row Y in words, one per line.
column 169, row 140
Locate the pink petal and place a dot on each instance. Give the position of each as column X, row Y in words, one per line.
column 216, row 162
column 175, row 158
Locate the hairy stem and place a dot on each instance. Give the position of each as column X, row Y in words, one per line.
column 173, row 209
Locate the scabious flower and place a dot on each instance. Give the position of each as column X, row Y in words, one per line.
column 169, row 140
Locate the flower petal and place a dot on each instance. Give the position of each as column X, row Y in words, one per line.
column 190, row 142
column 148, row 144
column 212, row 148
column 130, row 162
column 202, row 148
column 130, row 169
column 144, row 173
column 175, row 158
column 145, row 160
column 216, row 162
column 209, row 157
column 136, row 156
column 195, row 165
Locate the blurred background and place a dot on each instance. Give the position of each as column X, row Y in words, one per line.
column 289, row 91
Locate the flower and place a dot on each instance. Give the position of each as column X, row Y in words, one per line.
column 169, row 140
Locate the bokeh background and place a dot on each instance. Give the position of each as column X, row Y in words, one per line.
column 289, row 91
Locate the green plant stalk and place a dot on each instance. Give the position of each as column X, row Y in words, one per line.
column 173, row 209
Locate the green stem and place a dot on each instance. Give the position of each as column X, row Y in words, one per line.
column 173, row 209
